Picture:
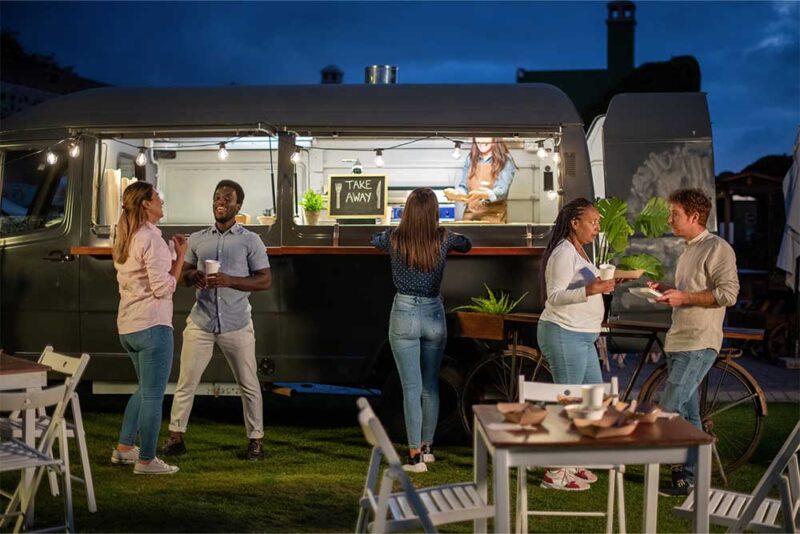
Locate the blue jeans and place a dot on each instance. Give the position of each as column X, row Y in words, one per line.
column 572, row 355
column 151, row 353
column 685, row 371
column 418, row 335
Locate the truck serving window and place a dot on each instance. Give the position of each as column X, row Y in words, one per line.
column 352, row 174
column 33, row 190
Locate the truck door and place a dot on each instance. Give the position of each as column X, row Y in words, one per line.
column 39, row 214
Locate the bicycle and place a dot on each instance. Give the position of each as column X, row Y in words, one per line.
column 732, row 403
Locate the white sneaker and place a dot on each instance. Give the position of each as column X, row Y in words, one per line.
column 562, row 479
column 427, row 454
column 130, row 456
column 156, row 466
column 582, row 474
column 415, row 464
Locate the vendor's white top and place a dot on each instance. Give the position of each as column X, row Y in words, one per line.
column 567, row 274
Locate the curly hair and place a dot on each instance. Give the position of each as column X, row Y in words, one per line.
column 693, row 201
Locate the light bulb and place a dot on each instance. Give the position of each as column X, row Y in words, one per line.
column 542, row 153
column 51, row 157
column 141, row 159
column 74, row 149
column 379, row 158
column 457, row 150
column 296, row 155
column 551, row 195
column 556, row 155
column 222, row 153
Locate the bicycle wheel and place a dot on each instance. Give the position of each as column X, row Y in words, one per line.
column 495, row 379
column 732, row 408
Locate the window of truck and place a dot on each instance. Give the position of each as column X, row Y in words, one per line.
column 352, row 173
column 186, row 170
column 33, row 189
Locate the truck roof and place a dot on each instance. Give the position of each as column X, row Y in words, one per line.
column 314, row 109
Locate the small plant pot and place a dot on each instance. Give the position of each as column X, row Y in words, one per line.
column 480, row 325
column 312, row 217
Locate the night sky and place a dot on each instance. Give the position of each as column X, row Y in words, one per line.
column 749, row 52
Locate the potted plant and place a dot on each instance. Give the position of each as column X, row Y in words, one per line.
column 312, row 203
column 483, row 319
column 612, row 241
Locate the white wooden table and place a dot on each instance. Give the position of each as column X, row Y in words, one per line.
column 20, row 374
column 673, row 441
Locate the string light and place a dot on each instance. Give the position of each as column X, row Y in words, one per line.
column 556, row 155
column 222, row 153
column 74, row 149
column 296, row 155
column 141, row 159
column 379, row 158
column 457, row 150
column 542, row 153
column 51, row 157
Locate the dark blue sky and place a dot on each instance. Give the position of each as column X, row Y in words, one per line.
column 749, row 52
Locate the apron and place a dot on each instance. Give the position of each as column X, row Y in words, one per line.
column 493, row 212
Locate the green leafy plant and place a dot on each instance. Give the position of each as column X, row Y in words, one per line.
column 312, row 201
column 492, row 304
column 615, row 231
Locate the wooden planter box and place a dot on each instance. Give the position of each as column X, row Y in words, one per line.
column 480, row 325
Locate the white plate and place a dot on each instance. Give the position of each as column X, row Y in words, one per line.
column 646, row 292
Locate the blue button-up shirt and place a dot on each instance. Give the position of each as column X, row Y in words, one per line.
column 240, row 252
column 501, row 184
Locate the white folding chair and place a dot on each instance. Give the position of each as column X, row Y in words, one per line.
column 16, row 455
column 742, row 511
column 411, row 508
column 73, row 367
column 541, row 392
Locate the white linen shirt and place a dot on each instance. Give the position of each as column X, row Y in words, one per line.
column 566, row 275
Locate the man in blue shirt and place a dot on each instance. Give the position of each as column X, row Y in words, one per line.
column 221, row 315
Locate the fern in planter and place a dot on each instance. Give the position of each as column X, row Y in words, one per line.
column 312, row 201
column 492, row 304
column 615, row 231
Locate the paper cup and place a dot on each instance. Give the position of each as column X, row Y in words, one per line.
column 211, row 267
column 592, row 396
column 607, row 271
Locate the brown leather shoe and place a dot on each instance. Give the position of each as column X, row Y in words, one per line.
column 255, row 450
column 173, row 447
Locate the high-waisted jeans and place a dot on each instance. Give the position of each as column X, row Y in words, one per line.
column 572, row 355
column 151, row 352
column 418, row 334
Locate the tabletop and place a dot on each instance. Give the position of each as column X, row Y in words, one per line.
column 11, row 365
column 556, row 431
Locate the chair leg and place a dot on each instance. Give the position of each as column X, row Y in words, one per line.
column 612, row 479
column 620, row 503
column 67, row 480
column 522, row 500
column 80, row 437
column 52, row 477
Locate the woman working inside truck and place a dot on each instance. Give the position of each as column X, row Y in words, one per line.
column 485, row 181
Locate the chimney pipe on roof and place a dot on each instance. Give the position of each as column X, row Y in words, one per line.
column 380, row 74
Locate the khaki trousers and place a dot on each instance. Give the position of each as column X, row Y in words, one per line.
column 239, row 348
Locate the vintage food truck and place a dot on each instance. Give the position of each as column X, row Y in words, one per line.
column 65, row 162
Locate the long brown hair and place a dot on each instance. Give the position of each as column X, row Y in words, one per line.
column 418, row 238
column 133, row 216
column 499, row 153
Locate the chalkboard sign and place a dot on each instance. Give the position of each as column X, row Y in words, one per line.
column 357, row 196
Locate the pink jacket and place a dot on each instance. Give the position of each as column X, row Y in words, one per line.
column 145, row 284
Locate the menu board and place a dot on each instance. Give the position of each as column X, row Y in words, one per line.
column 357, row 196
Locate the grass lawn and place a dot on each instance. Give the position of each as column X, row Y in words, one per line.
column 312, row 477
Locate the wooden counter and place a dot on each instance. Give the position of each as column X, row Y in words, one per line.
column 339, row 251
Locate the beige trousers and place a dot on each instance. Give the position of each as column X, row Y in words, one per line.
column 239, row 348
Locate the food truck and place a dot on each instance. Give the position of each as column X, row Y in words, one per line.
column 363, row 147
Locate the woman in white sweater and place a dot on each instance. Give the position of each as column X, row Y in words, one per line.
column 572, row 316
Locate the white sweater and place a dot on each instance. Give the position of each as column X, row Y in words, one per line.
column 567, row 274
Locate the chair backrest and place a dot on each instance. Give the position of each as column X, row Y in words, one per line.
column 542, row 392
column 788, row 486
column 382, row 446
column 66, row 365
column 57, row 396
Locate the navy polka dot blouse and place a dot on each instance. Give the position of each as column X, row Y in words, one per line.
column 409, row 281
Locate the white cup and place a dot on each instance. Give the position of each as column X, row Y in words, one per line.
column 211, row 267
column 607, row 271
column 592, row 396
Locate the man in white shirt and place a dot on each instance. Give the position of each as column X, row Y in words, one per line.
column 706, row 282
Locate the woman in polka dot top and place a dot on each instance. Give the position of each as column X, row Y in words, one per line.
column 418, row 250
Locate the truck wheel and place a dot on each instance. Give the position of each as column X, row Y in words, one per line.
column 449, row 428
